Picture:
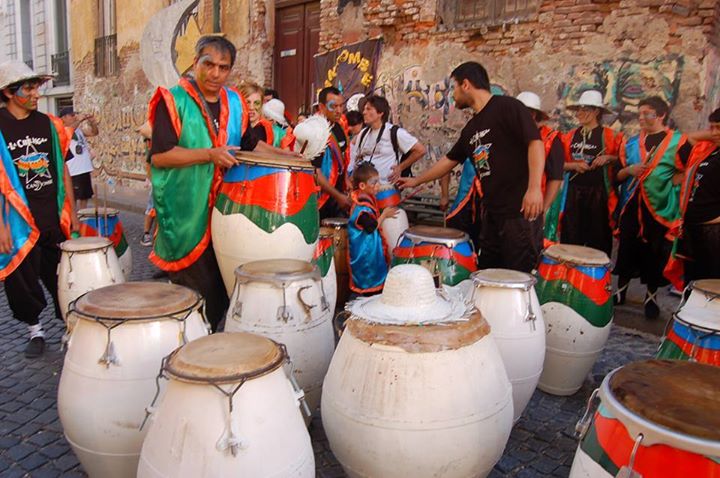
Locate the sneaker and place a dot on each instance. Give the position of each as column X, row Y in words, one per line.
column 652, row 311
column 35, row 347
column 675, row 292
column 146, row 239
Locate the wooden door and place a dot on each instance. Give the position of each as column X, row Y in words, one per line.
column 297, row 38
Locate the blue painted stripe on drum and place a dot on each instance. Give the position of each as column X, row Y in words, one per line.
column 247, row 172
column 689, row 335
column 384, row 194
column 463, row 248
column 596, row 272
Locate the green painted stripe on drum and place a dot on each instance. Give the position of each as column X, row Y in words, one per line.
column 323, row 262
column 564, row 293
column 669, row 350
column 122, row 246
column 452, row 272
column 306, row 220
column 591, row 445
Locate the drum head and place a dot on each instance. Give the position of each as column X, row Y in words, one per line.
column 277, row 270
column 709, row 286
column 505, row 278
column 335, row 222
column 86, row 244
column 679, row 395
column 101, row 212
column 278, row 161
column 225, row 357
column 701, row 317
column 438, row 235
column 580, row 255
column 137, row 301
column 327, row 232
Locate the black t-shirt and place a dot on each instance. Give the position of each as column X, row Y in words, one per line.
column 555, row 161
column 342, row 140
column 654, row 140
column 704, row 202
column 30, row 145
column 496, row 139
column 584, row 147
column 164, row 137
column 259, row 132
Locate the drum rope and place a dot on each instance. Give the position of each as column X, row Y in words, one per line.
column 229, row 438
column 110, row 356
column 149, row 410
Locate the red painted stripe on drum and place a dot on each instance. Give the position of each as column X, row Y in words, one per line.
column 437, row 251
column 323, row 245
column 283, row 193
column 702, row 355
column 596, row 290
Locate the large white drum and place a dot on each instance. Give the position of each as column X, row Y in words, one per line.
column 266, row 209
column 229, row 409
column 86, row 264
column 282, row 299
column 656, row 419
column 507, row 300
column 392, row 228
column 704, row 293
column 114, row 354
column 324, row 258
column 105, row 222
column 574, row 289
column 416, row 387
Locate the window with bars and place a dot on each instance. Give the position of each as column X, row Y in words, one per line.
column 106, row 59
column 486, row 12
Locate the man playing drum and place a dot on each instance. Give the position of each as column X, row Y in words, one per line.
column 37, row 199
column 504, row 144
column 196, row 127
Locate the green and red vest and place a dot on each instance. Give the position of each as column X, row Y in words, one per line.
column 554, row 214
column 184, row 196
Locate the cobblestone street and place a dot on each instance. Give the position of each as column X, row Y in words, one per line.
column 32, row 443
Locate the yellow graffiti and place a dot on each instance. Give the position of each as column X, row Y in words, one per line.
column 185, row 46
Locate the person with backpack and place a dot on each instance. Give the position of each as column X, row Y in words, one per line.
column 388, row 147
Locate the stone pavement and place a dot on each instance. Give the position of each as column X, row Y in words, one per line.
column 32, row 442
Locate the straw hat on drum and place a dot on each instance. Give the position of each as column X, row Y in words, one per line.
column 590, row 98
column 410, row 298
column 275, row 110
column 532, row 101
column 15, row 71
column 312, row 136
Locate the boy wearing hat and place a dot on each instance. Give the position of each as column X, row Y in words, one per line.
column 79, row 157
column 590, row 153
column 37, row 199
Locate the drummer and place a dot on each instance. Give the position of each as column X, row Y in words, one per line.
column 185, row 162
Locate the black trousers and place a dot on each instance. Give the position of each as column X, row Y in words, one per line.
column 24, row 293
column 585, row 221
column 702, row 246
column 509, row 243
column 468, row 220
column 204, row 277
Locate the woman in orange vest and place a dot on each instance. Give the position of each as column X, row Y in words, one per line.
column 262, row 128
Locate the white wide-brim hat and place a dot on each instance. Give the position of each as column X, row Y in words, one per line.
column 410, row 298
column 532, row 101
column 590, row 98
column 15, row 71
column 353, row 103
column 275, row 110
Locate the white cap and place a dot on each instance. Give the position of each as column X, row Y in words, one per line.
column 14, row 71
column 275, row 110
column 590, row 98
column 532, row 101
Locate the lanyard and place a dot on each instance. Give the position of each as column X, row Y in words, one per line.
column 377, row 140
column 204, row 105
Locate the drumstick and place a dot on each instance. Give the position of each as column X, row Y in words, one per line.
column 415, row 192
column 602, row 151
column 105, row 211
column 95, row 200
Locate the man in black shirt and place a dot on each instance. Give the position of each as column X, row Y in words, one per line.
column 37, row 200
column 503, row 142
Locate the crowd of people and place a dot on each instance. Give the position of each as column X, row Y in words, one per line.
column 523, row 185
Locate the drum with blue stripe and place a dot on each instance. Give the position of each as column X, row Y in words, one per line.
column 692, row 334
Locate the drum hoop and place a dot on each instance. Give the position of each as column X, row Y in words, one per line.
column 691, row 325
column 342, row 225
column 481, row 282
column 449, row 243
column 86, row 251
column 295, row 165
column 282, row 280
column 121, row 320
column 575, row 264
column 636, row 424
column 241, row 377
column 709, row 295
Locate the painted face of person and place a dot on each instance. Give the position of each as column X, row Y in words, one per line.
column 27, row 96
column 371, row 186
column 370, row 114
column 211, row 69
column 649, row 120
column 587, row 115
column 254, row 101
column 334, row 107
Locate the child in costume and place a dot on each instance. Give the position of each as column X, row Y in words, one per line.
column 368, row 253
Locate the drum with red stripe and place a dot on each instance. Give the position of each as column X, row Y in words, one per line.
column 692, row 334
column 447, row 253
column 656, row 419
column 266, row 209
column 324, row 259
column 574, row 289
column 105, row 222
column 392, row 227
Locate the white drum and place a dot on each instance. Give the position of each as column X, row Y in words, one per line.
column 416, row 387
column 324, row 258
column 108, row 377
column 105, row 222
column 282, row 299
column 86, row 264
column 574, row 288
column 392, row 228
column 230, row 409
column 704, row 293
column 507, row 300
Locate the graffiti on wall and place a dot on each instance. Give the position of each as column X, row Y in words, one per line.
column 623, row 83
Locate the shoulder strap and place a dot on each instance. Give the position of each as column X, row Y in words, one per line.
column 363, row 134
column 394, row 141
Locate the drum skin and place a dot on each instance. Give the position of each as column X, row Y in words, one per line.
column 93, row 224
column 393, row 227
column 393, row 409
column 705, row 293
column 102, row 407
column 190, row 421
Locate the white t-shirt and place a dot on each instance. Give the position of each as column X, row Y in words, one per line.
column 80, row 161
column 380, row 153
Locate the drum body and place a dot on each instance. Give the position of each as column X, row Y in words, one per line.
column 507, row 300
column 86, row 264
column 393, row 227
column 324, row 259
column 266, row 209
column 705, row 293
column 692, row 334
column 341, row 255
column 105, row 222
column 401, row 401
column 680, row 445
column 108, row 377
column 574, row 290
column 447, row 253
column 193, row 433
column 283, row 300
